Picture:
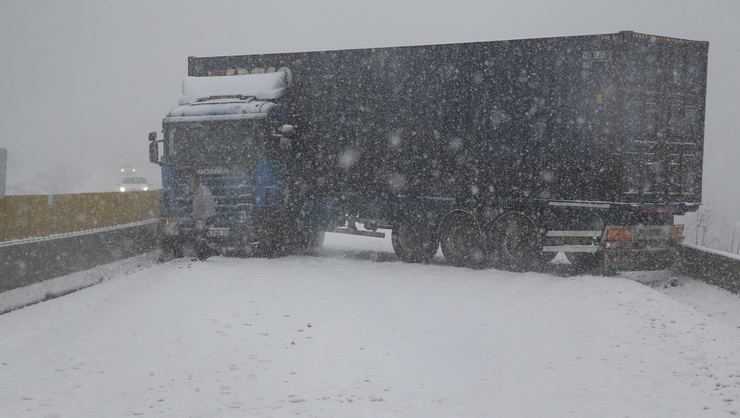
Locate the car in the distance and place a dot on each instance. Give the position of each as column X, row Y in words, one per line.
column 131, row 184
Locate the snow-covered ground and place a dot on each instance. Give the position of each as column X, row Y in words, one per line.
column 355, row 333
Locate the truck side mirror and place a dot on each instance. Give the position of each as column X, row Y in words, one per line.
column 152, row 136
column 153, row 151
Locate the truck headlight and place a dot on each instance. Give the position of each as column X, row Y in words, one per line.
column 123, row 189
column 146, row 188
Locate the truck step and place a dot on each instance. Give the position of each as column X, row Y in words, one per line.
column 353, row 231
column 587, row 234
column 570, row 248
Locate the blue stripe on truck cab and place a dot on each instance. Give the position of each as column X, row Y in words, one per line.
column 269, row 183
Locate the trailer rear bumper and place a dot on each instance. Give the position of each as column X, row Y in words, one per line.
column 641, row 247
column 653, row 258
column 635, row 247
column 591, row 249
column 573, row 241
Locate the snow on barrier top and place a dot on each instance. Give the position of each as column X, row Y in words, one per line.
column 712, row 251
column 267, row 86
column 719, row 268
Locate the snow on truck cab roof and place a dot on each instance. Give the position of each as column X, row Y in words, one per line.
column 231, row 97
column 265, row 86
column 223, row 109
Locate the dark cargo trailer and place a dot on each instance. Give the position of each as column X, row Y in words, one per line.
column 615, row 117
column 518, row 149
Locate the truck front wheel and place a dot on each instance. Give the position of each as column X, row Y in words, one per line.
column 171, row 247
column 310, row 241
column 414, row 243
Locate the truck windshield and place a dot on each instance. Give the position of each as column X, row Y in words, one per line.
column 216, row 143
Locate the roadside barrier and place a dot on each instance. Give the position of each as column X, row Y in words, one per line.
column 42, row 237
column 29, row 261
column 714, row 267
column 43, row 215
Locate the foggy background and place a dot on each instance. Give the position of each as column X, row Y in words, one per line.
column 83, row 82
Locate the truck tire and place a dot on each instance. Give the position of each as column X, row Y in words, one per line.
column 177, row 250
column 462, row 241
column 271, row 248
column 272, row 244
column 310, row 241
column 414, row 242
column 173, row 247
column 517, row 244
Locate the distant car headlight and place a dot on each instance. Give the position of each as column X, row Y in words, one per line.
column 123, row 189
column 146, row 188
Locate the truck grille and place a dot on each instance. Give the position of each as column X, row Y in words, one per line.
column 234, row 196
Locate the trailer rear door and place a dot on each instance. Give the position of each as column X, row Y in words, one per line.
column 664, row 90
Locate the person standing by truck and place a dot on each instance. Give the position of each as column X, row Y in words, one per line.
column 204, row 210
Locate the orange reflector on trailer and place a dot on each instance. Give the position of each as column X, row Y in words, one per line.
column 677, row 233
column 618, row 233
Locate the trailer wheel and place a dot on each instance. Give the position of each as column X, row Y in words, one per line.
column 463, row 243
column 414, row 242
column 518, row 246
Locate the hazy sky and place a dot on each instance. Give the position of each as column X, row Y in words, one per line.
column 82, row 82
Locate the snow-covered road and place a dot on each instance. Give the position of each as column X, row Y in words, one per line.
column 358, row 334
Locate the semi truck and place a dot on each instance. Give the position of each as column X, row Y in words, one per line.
column 501, row 152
